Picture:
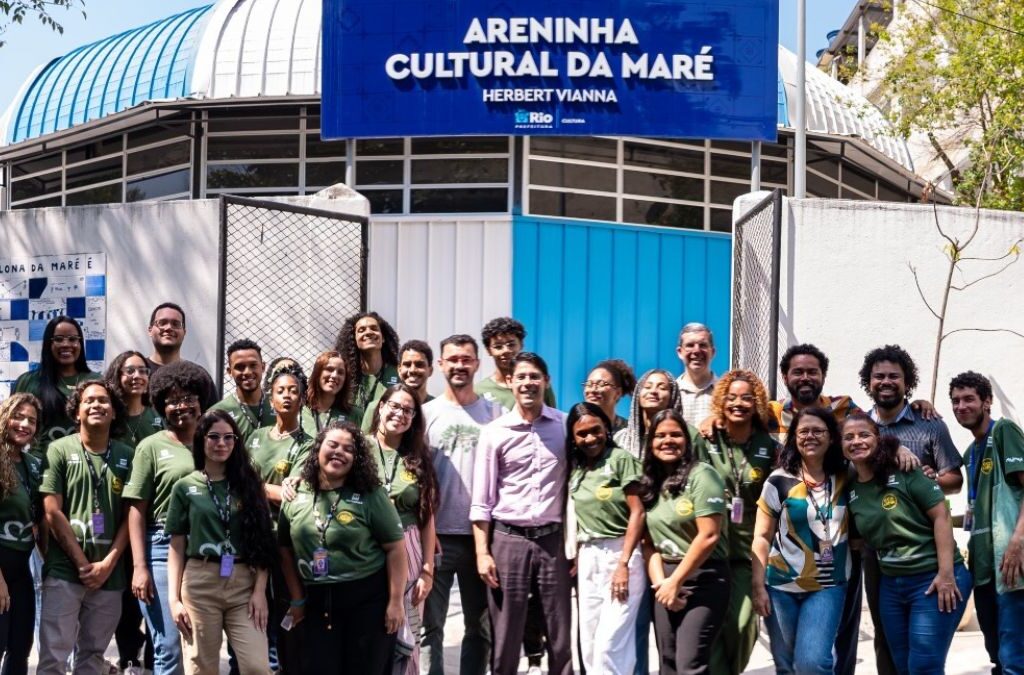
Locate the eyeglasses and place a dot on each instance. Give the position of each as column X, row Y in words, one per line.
column 169, row 323
column 215, row 438
column 66, row 339
column 135, row 370
column 191, row 399
column 597, row 384
column 401, row 409
column 806, row 432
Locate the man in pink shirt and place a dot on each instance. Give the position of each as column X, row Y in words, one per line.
column 519, row 487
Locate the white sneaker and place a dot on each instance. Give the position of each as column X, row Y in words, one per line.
column 534, row 670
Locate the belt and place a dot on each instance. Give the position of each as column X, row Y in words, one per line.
column 213, row 559
column 528, row 532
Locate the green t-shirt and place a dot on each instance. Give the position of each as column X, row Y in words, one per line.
column 1008, row 439
column 278, row 458
column 353, row 537
column 192, row 512
column 404, row 491
column 494, row 392
column 16, row 509
column 369, row 390
column 249, row 418
column 66, row 474
column 743, row 468
column 61, row 425
column 159, row 463
column 672, row 520
column 598, row 494
column 141, row 426
column 312, row 422
column 893, row 520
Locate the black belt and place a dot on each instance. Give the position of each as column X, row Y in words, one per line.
column 528, row 532
column 214, row 559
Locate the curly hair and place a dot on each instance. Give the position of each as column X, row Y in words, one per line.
column 892, row 354
column 656, row 476
column 362, row 477
column 113, row 375
column 343, row 399
column 636, row 432
column 790, row 458
column 117, row 425
column 806, row 349
column 8, row 479
column 621, row 372
column 346, row 343
column 417, row 346
column 883, row 462
column 572, row 451
column 254, row 511
column 972, row 380
column 499, row 326
column 762, row 414
column 50, row 396
column 414, row 452
column 184, row 375
column 285, row 366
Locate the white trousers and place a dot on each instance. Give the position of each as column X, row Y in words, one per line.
column 607, row 626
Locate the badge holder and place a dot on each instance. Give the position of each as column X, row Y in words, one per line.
column 825, row 552
column 227, row 564
column 736, row 510
column 320, row 562
column 969, row 517
column 98, row 524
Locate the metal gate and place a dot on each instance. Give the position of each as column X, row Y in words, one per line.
column 289, row 276
column 756, row 250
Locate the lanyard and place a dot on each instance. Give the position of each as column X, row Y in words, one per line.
column 223, row 510
column 322, row 525
column 21, row 470
column 388, row 480
column 366, row 394
column 317, row 420
column 293, row 450
column 247, row 411
column 735, row 469
column 823, row 516
column 972, row 464
column 97, row 477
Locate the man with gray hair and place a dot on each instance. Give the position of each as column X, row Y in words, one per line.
column 696, row 350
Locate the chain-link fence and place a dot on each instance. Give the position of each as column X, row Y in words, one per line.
column 289, row 276
column 756, row 249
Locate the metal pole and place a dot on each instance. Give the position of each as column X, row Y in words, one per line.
column 861, row 39
column 800, row 170
column 755, row 166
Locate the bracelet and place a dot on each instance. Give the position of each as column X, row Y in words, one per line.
column 298, row 603
column 427, row 573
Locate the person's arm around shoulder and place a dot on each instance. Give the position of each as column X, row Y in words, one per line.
column 950, row 478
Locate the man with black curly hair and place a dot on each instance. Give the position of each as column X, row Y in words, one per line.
column 503, row 339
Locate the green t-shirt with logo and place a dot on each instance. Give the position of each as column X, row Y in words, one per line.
column 159, row 463
column 61, row 425
column 192, row 512
column 1008, row 439
column 16, row 509
column 672, row 520
column 140, row 427
column 277, row 458
column 369, row 389
column 405, row 490
column 353, row 537
column 312, row 422
column 893, row 519
column 598, row 495
column 249, row 418
column 503, row 396
column 66, row 474
column 750, row 463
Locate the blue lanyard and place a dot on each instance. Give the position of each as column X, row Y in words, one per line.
column 972, row 464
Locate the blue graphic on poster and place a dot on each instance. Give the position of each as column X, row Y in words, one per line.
column 37, row 289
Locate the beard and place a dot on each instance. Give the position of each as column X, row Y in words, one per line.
column 805, row 395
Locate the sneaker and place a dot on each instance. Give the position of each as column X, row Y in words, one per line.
column 534, row 670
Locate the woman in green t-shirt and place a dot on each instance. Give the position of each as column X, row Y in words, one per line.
column 369, row 346
column 128, row 374
column 406, row 469
column 20, row 474
column 606, row 384
column 222, row 548
column 343, row 558
column 604, row 485
column 903, row 516
column 329, row 396
column 685, row 547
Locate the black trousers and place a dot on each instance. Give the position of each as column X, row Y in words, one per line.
column 16, row 625
column 884, row 664
column 849, row 625
column 130, row 635
column 344, row 628
column 685, row 637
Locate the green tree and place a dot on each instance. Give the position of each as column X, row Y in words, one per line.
column 958, row 66
column 15, row 11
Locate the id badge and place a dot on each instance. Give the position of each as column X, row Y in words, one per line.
column 969, row 518
column 227, row 564
column 736, row 510
column 320, row 562
column 98, row 524
column 825, row 549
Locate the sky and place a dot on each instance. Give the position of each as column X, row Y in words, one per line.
column 30, row 45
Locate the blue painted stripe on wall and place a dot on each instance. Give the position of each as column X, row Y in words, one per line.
column 591, row 291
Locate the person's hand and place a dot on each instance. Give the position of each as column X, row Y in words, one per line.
column 667, row 592
column 5, row 596
column 908, row 461
column 925, row 409
column 84, row 571
column 762, row 603
column 182, row 619
column 945, row 586
column 708, row 427
column 929, row 472
column 142, row 584
column 422, row 588
column 620, row 583
column 297, row 613
column 289, row 488
column 394, row 616
column 487, row 570
column 1012, row 566
column 97, row 575
column 258, row 611
column 573, row 567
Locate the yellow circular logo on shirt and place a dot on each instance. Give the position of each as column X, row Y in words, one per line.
column 116, row 485
column 889, row 501
column 345, row 517
column 986, row 466
column 603, row 493
column 408, row 476
column 756, row 474
column 684, row 507
column 283, row 467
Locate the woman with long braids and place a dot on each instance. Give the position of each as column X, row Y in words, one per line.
column 656, row 390
column 222, row 550
column 343, row 557
column 61, row 367
column 686, row 549
column 605, row 386
column 369, row 346
column 406, row 469
column 330, row 393
column 20, row 514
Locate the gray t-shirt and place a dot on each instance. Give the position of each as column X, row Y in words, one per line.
column 452, row 433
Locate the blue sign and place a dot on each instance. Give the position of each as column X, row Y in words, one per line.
column 674, row 68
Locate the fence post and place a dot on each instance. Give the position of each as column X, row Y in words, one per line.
column 773, row 349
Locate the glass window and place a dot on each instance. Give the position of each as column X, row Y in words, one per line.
column 858, row 180
column 252, row 175
column 251, row 119
column 379, row 172
column 572, row 205
column 774, row 149
column 107, row 194
column 592, row 149
column 721, row 220
column 162, row 185
column 159, row 157
column 850, row 194
column 460, row 171
column 95, row 172
column 27, row 188
column 726, row 193
column 380, row 146
column 36, row 165
column 149, row 135
column 318, row 148
column 582, row 176
column 821, row 187
column 252, row 147
column 661, row 157
column 663, row 185
column 100, row 148
column 53, row 201
column 461, row 200
column 384, row 201
column 887, row 193
column 735, row 146
column 661, row 213
column 459, row 145
column 322, row 174
column 774, row 172
column 729, row 166
column 823, row 164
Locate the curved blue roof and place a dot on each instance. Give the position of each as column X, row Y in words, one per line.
column 114, row 74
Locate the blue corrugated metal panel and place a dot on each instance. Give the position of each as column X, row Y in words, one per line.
column 111, row 75
column 591, row 291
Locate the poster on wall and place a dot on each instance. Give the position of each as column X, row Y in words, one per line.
column 35, row 290
column 672, row 68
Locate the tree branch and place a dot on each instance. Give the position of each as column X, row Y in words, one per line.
column 917, row 283
column 984, row 330
column 987, row 276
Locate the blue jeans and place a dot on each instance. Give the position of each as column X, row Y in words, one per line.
column 919, row 634
column 162, row 630
column 803, row 627
column 643, row 631
column 1001, row 618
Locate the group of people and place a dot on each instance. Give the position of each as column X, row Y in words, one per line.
column 320, row 522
